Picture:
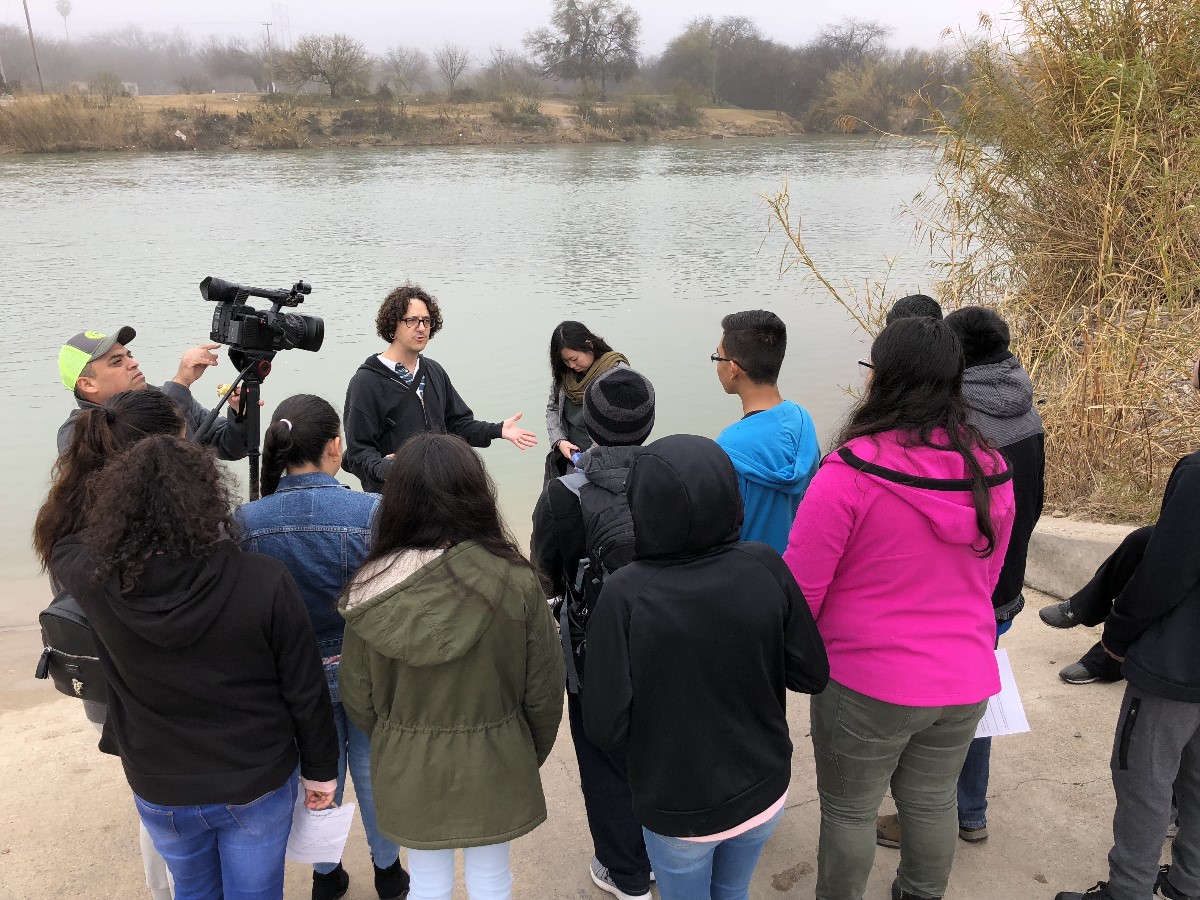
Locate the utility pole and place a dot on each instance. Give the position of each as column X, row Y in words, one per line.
column 270, row 62
column 3, row 78
column 33, row 47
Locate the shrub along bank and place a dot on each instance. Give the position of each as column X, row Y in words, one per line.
column 70, row 123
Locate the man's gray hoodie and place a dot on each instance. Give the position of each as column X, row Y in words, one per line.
column 228, row 435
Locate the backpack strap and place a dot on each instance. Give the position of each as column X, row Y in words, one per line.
column 574, row 482
column 564, row 635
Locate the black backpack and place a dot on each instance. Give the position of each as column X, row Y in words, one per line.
column 608, row 541
column 69, row 651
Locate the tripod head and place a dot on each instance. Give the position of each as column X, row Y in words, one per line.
column 253, row 366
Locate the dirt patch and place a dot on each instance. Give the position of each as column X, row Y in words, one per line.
column 786, row 880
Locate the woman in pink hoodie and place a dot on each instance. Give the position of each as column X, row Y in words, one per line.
column 897, row 546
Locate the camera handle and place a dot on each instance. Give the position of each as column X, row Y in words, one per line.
column 254, row 367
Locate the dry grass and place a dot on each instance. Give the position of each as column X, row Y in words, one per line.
column 1067, row 196
column 65, row 123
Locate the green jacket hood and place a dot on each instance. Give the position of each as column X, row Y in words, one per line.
column 398, row 605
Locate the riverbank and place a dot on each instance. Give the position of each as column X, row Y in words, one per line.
column 1049, row 814
column 261, row 122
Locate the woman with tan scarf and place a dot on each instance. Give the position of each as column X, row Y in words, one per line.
column 577, row 358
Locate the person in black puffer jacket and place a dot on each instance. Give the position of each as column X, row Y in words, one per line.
column 692, row 648
column 585, row 514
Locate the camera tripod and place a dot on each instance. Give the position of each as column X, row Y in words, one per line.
column 253, row 366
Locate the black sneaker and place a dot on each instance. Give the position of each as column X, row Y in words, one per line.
column 391, row 883
column 1163, row 888
column 1078, row 673
column 331, row 885
column 1059, row 615
column 1098, row 892
column 898, row 894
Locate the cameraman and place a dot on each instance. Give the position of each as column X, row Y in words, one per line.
column 96, row 366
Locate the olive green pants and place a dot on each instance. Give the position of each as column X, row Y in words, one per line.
column 861, row 746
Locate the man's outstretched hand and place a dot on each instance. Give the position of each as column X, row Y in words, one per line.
column 521, row 438
column 194, row 362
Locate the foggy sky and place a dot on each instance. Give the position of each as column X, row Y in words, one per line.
column 480, row 24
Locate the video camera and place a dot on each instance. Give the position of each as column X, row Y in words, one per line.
column 245, row 328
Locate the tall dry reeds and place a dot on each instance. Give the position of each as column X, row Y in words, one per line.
column 1067, row 196
column 68, row 122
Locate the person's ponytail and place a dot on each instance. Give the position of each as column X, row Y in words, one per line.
column 278, row 447
column 98, row 435
column 301, row 427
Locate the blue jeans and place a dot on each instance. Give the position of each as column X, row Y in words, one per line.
column 973, row 784
column 720, row 870
column 354, row 752
column 220, row 851
column 976, row 770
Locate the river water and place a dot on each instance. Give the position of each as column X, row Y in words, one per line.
column 649, row 245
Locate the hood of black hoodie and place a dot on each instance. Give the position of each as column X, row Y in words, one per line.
column 176, row 599
column 684, row 498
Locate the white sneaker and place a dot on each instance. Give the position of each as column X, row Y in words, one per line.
column 604, row 881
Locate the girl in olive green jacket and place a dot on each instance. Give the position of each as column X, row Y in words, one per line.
column 451, row 663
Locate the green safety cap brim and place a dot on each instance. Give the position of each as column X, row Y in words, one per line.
column 85, row 347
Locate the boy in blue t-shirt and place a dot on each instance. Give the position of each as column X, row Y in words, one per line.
column 774, row 446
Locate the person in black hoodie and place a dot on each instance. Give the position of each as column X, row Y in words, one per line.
column 215, row 687
column 585, row 515
column 400, row 392
column 1152, row 631
column 999, row 397
column 691, row 649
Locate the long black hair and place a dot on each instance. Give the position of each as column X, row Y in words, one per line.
column 573, row 336
column 99, row 434
column 300, row 428
column 916, row 387
column 438, row 494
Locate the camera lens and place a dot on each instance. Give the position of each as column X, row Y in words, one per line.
column 303, row 332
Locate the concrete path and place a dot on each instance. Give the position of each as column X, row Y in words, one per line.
column 68, row 829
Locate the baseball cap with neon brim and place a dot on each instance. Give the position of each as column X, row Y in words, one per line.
column 85, row 347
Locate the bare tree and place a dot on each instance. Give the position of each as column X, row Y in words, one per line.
column 588, row 39
column 508, row 72
column 406, row 67
column 851, row 40
column 106, row 86
column 336, row 60
column 64, row 10
column 451, row 60
column 234, row 58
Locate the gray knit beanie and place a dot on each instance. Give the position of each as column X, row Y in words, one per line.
column 618, row 408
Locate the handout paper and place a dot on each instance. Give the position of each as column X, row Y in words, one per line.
column 1005, row 714
column 319, row 836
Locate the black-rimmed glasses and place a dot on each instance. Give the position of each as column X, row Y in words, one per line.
column 414, row 321
column 716, row 357
column 867, row 364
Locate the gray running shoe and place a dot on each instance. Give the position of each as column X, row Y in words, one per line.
column 604, row 881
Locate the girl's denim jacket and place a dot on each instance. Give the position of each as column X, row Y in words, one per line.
column 321, row 530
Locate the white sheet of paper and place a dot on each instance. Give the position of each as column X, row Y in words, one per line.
column 1005, row 713
column 319, row 836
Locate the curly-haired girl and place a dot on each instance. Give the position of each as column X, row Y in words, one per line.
column 216, row 692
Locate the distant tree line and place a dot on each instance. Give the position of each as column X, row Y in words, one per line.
column 847, row 77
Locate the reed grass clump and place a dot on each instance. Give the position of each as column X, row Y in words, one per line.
column 64, row 123
column 1067, row 196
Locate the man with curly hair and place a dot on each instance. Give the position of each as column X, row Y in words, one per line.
column 400, row 392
